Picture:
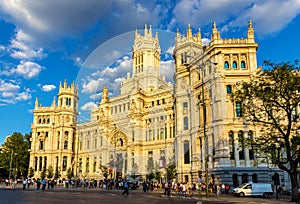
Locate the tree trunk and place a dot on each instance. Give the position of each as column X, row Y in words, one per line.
column 294, row 182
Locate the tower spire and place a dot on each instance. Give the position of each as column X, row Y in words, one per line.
column 250, row 31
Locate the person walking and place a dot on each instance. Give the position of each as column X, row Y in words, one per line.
column 24, row 183
column 125, row 186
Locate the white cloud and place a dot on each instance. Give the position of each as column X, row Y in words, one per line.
column 10, row 93
column 88, row 106
column 19, row 48
column 48, row 87
column 167, row 69
column 91, row 86
column 28, row 69
column 234, row 13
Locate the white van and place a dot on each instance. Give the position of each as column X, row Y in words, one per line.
column 254, row 189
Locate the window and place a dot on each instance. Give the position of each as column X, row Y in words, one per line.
column 226, row 65
column 251, row 151
column 41, row 144
column 234, row 65
column 186, row 123
column 238, row 109
column 95, row 143
column 87, row 164
column 150, row 160
column 241, row 145
column 185, row 105
column 133, row 136
column 64, row 163
column 254, row 178
column 186, row 150
column 244, row 178
column 228, row 89
column 243, row 65
column 235, row 180
column 40, row 163
column 88, row 144
column 65, row 144
column 35, row 163
column 94, row 166
column 231, row 145
column 162, row 133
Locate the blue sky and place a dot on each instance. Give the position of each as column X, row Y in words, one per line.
column 45, row 42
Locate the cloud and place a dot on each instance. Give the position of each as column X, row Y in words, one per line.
column 232, row 13
column 28, row 69
column 10, row 92
column 48, row 87
column 88, row 106
column 19, row 49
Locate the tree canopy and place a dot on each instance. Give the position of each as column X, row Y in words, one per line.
column 14, row 155
column 270, row 101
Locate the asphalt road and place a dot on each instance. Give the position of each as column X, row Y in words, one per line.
column 95, row 196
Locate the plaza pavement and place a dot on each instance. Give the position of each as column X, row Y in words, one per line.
column 160, row 192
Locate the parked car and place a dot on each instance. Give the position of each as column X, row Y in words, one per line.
column 254, row 189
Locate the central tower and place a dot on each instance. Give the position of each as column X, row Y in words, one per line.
column 145, row 64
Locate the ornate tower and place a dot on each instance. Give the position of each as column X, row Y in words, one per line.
column 54, row 132
column 188, row 50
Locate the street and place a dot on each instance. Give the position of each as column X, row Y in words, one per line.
column 79, row 195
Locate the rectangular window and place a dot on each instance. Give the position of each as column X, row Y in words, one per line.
column 186, row 123
column 238, row 109
column 95, row 143
column 228, row 89
column 185, row 105
column 186, row 149
column 88, row 145
column 150, row 160
column 64, row 163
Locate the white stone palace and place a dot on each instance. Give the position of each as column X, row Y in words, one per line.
column 153, row 123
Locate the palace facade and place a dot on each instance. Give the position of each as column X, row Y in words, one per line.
column 152, row 123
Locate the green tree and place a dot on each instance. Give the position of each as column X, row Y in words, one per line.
column 30, row 172
column 50, row 172
column 43, row 173
column 57, row 173
column 15, row 155
column 70, row 173
column 171, row 172
column 271, row 102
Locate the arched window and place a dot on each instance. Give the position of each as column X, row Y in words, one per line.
column 234, row 65
column 241, row 145
column 40, row 121
column 226, row 65
column 251, row 151
column 243, row 64
column 231, row 145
